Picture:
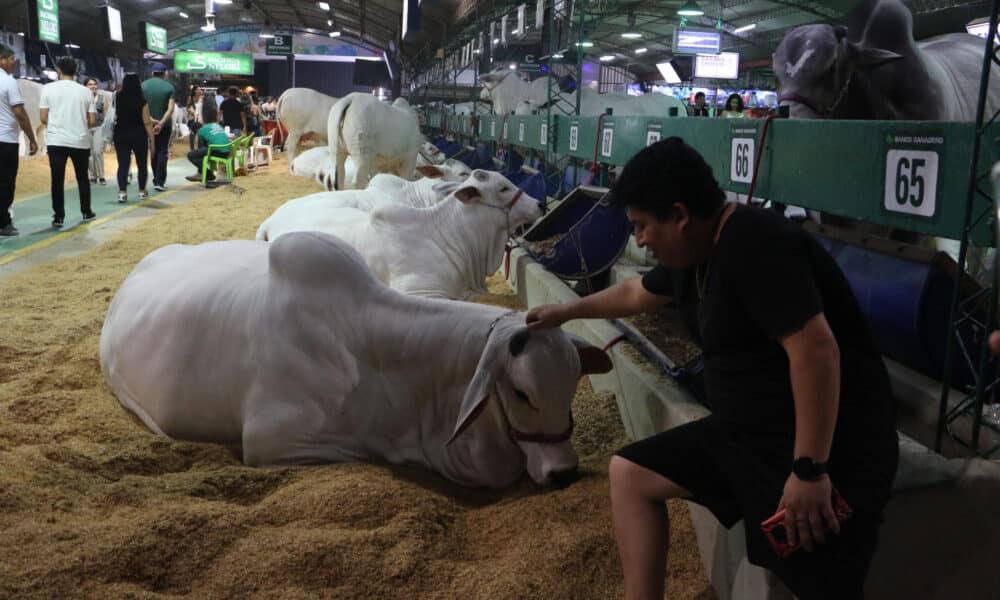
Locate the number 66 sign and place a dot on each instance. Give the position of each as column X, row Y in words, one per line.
column 911, row 182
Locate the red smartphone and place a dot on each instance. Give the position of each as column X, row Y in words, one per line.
column 776, row 534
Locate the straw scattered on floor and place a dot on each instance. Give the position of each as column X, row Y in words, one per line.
column 92, row 505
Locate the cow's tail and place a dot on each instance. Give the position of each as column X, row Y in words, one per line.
column 333, row 127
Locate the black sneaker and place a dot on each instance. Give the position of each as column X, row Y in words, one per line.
column 102, row 181
column 89, row 216
column 9, row 230
column 160, row 188
column 57, row 223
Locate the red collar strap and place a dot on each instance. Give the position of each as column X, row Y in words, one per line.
column 514, row 199
column 544, row 438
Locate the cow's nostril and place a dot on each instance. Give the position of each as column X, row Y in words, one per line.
column 566, row 477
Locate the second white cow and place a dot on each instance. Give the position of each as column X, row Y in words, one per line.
column 446, row 251
column 382, row 138
column 303, row 112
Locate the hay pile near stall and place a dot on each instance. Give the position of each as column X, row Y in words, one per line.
column 92, row 505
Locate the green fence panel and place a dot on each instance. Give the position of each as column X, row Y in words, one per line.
column 490, row 126
column 526, row 131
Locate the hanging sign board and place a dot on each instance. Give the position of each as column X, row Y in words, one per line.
column 226, row 63
column 47, row 14
column 280, row 44
column 155, row 38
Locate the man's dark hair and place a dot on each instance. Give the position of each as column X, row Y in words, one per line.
column 209, row 112
column 66, row 65
column 6, row 51
column 699, row 95
column 666, row 173
column 234, row 91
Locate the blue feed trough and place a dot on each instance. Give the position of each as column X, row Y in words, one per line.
column 906, row 297
column 582, row 237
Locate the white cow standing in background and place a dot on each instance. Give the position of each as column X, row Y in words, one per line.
column 31, row 93
column 511, row 94
column 303, row 112
column 382, row 138
column 259, row 345
column 447, row 250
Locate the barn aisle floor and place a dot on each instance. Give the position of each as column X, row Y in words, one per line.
column 98, row 507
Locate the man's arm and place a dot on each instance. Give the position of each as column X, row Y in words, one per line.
column 167, row 116
column 43, row 116
column 22, row 119
column 243, row 118
column 621, row 300
column 814, row 370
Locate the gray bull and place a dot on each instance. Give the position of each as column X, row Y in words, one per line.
column 873, row 69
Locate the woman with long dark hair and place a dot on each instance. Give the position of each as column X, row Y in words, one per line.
column 733, row 108
column 133, row 134
column 194, row 114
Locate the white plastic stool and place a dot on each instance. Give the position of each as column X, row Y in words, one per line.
column 263, row 144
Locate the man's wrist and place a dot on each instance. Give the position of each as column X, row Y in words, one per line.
column 808, row 469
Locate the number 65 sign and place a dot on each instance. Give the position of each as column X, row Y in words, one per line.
column 911, row 182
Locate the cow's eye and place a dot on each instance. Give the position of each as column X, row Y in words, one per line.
column 505, row 189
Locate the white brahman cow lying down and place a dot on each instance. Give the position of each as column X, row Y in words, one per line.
column 382, row 138
column 429, row 154
column 318, row 164
column 295, row 352
column 447, row 250
column 303, row 112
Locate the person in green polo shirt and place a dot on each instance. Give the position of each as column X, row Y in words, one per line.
column 159, row 94
column 211, row 133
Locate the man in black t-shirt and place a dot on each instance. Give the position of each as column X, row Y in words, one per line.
column 698, row 109
column 800, row 397
column 233, row 115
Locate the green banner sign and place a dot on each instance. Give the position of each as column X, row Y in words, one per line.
column 193, row 61
column 279, row 45
column 48, row 21
column 156, row 39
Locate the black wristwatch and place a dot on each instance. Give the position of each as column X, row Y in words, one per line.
column 808, row 469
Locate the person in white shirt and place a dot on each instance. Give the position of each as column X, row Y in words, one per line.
column 102, row 102
column 68, row 111
column 12, row 117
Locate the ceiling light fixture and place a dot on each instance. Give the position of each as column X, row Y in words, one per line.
column 744, row 28
column 267, row 32
column 209, row 24
column 512, row 66
column 323, row 5
column 183, row 15
column 223, row 1
column 557, row 55
column 690, row 9
column 72, row 46
column 585, row 44
column 640, row 50
column 632, row 35
column 329, row 22
column 334, row 34
column 607, row 57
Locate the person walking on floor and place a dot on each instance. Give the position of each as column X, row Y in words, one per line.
column 159, row 95
column 96, row 163
column 133, row 134
column 67, row 110
column 12, row 117
column 211, row 133
column 233, row 115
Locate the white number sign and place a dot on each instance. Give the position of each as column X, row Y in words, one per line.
column 607, row 139
column 520, row 132
column 652, row 137
column 493, row 128
column 911, row 182
column 741, row 160
column 545, row 134
column 574, row 137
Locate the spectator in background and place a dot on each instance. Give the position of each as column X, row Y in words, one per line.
column 210, row 134
column 67, row 110
column 733, row 108
column 699, row 109
column 195, row 98
column 96, row 162
column 219, row 99
column 159, row 96
column 233, row 115
column 133, row 134
column 12, row 117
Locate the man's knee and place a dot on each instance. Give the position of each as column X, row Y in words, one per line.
column 628, row 477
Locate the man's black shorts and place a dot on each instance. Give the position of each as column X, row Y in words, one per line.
column 740, row 477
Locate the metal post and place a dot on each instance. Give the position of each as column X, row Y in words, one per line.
column 967, row 233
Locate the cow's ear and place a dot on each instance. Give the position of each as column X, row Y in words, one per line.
column 445, row 187
column 593, row 360
column 479, row 390
column 430, row 171
column 840, row 32
column 869, row 58
column 467, row 195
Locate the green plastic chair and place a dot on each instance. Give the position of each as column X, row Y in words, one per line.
column 226, row 161
column 241, row 146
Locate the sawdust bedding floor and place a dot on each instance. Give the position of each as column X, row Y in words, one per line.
column 92, row 505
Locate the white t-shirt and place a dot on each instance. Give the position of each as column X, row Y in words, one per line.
column 10, row 96
column 68, row 103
